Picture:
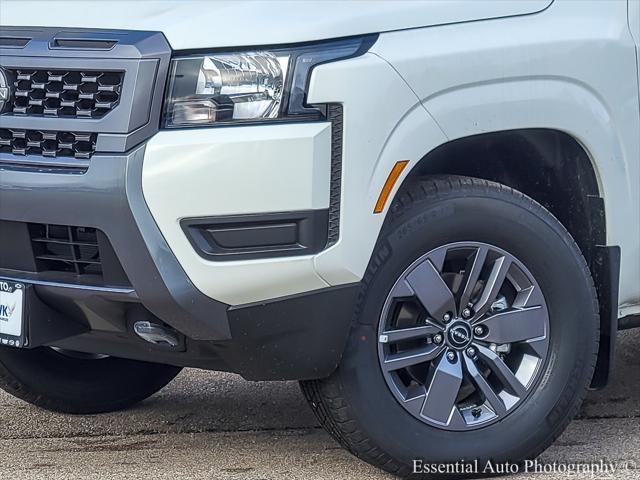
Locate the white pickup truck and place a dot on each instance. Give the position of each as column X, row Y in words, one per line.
column 426, row 212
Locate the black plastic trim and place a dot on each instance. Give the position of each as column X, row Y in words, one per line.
column 13, row 42
column 368, row 40
column 335, row 116
column 606, row 274
column 629, row 322
column 241, row 237
column 299, row 337
column 82, row 44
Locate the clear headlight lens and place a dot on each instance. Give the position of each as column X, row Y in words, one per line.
column 249, row 86
column 228, row 86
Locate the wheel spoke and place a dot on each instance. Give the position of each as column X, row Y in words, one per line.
column 457, row 369
column 414, row 404
column 528, row 297
column 440, row 401
column 472, row 274
column 434, row 294
column 494, row 283
column 437, row 257
column 400, row 360
column 502, row 371
column 487, row 391
column 515, row 325
column 538, row 347
column 401, row 289
column 413, row 333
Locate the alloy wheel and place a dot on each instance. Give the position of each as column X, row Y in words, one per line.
column 463, row 336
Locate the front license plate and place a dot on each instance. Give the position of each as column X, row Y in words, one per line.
column 12, row 313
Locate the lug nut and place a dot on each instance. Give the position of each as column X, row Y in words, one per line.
column 446, row 318
column 451, row 356
column 479, row 330
column 437, row 339
column 467, row 313
column 471, row 352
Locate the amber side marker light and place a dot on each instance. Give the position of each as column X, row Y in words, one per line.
column 394, row 174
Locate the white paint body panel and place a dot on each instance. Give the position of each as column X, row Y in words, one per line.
column 228, row 171
column 415, row 91
column 206, row 24
column 401, row 130
column 502, row 75
column 432, row 76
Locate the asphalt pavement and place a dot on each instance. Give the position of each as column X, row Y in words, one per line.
column 218, row 426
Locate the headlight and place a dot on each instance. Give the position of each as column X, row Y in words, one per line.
column 249, row 86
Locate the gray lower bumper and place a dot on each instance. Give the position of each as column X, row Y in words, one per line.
column 109, row 197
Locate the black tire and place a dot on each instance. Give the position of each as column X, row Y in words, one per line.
column 69, row 383
column 355, row 404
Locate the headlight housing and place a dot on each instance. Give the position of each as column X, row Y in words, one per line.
column 254, row 85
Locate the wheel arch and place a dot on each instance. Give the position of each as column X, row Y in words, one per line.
column 555, row 169
column 548, row 165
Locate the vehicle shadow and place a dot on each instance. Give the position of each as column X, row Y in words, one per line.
column 200, row 401
column 621, row 399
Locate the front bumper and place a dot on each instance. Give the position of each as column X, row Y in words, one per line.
column 264, row 316
column 295, row 337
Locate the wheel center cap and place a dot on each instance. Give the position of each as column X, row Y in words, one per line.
column 459, row 335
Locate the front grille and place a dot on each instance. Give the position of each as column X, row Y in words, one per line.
column 107, row 83
column 48, row 144
column 66, row 93
column 61, row 248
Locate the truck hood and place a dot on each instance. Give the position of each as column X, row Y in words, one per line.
column 209, row 24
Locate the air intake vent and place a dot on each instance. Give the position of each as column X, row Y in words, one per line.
column 65, row 94
column 13, row 42
column 47, row 144
column 63, row 248
column 83, row 44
